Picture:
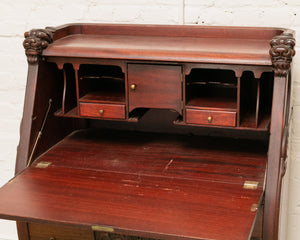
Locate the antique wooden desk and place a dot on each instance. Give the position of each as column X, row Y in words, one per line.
column 152, row 132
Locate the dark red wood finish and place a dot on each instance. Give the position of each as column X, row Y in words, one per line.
column 165, row 43
column 23, row 230
column 156, row 184
column 274, row 171
column 178, row 207
column 214, row 103
column 116, row 96
column 209, row 117
column 152, row 185
column 99, row 110
column 155, row 86
column 167, row 155
column 58, row 232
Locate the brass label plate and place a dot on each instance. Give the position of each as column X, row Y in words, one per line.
column 43, row 164
column 102, row 228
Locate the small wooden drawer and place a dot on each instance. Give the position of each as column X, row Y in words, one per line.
column 206, row 117
column 115, row 111
column 38, row 231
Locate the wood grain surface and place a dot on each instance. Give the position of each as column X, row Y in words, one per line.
column 157, row 48
column 162, row 185
column 58, row 232
column 209, row 117
column 108, row 110
column 156, row 86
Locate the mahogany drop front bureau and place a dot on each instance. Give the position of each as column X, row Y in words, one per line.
column 152, row 132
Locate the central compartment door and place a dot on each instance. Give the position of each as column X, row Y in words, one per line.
column 154, row 86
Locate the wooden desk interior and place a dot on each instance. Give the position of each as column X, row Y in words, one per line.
column 143, row 132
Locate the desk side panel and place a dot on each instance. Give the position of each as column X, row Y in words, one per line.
column 41, row 86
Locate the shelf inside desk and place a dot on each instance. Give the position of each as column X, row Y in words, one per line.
column 213, row 103
column 144, row 183
column 104, row 97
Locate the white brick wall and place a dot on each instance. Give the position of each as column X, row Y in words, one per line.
column 18, row 16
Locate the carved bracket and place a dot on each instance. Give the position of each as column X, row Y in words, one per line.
column 282, row 52
column 36, row 40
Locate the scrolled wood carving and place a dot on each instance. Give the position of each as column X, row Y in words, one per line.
column 36, row 40
column 282, row 52
column 115, row 236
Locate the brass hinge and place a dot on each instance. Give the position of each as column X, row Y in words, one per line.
column 43, row 164
column 252, row 185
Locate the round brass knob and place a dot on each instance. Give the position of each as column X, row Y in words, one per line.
column 132, row 87
column 52, row 238
column 101, row 112
column 209, row 119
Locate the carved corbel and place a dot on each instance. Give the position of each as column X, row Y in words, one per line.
column 36, row 40
column 282, row 52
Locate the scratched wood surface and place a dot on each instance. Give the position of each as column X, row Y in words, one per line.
column 157, row 184
column 157, row 205
column 169, row 155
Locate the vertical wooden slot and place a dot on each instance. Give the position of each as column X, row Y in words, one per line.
column 238, row 117
column 257, row 102
column 64, row 93
column 248, row 100
column 69, row 99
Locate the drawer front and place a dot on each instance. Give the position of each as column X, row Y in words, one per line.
column 39, row 231
column 206, row 117
column 116, row 111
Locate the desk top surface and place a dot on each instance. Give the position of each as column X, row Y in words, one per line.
column 230, row 45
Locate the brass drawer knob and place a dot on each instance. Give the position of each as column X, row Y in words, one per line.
column 101, row 111
column 133, row 87
column 209, row 119
column 52, row 238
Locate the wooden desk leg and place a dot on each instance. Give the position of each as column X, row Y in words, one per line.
column 23, row 231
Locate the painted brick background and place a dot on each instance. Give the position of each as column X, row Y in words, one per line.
column 18, row 16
